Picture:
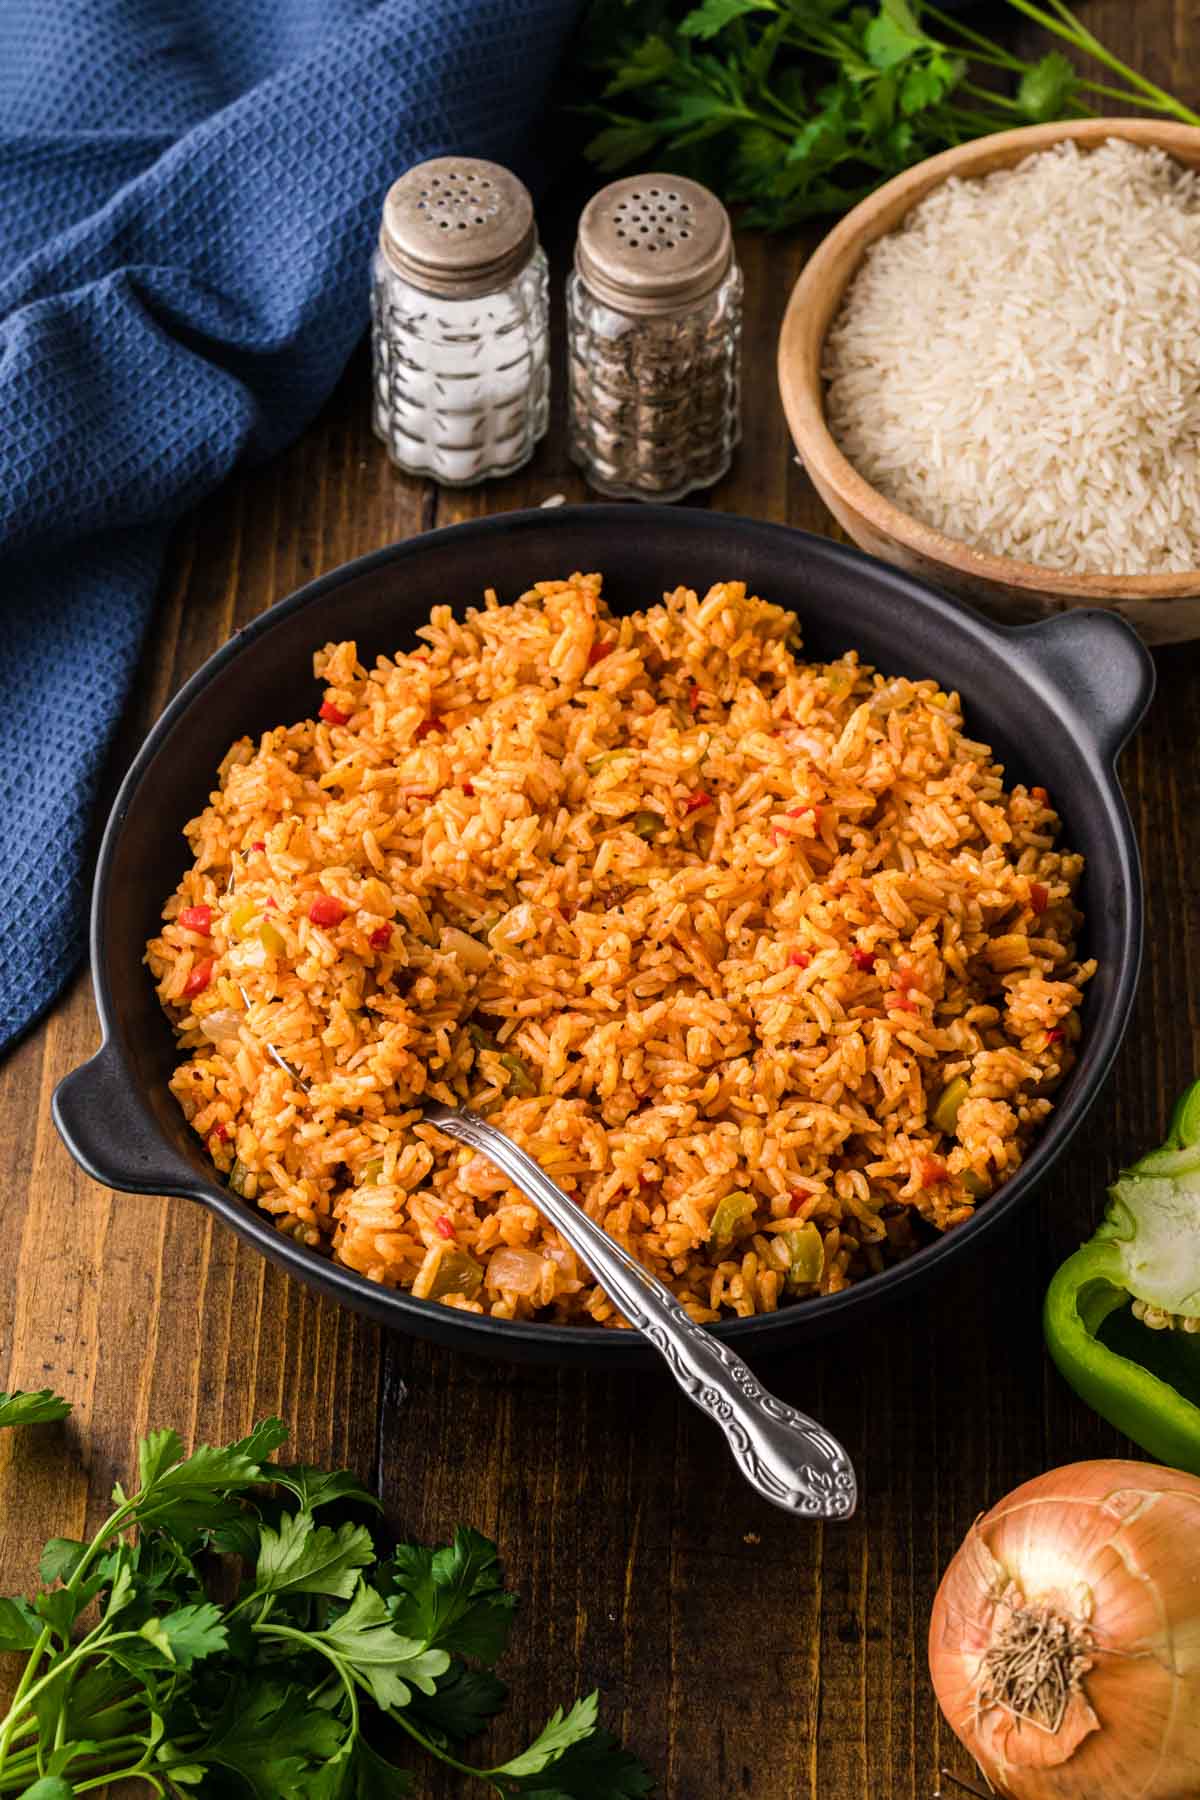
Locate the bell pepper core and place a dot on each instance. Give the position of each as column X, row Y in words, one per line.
column 1147, row 1250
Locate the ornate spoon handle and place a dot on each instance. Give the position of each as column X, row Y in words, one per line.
column 789, row 1458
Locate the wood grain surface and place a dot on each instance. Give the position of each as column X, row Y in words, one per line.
column 739, row 1652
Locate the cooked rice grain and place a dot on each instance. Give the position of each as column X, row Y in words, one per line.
column 683, row 914
column 1019, row 364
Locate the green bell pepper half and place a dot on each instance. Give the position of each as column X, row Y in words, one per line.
column 1146, row 1382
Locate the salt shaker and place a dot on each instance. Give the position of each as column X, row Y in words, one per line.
column 654, row 311
column 460, row 323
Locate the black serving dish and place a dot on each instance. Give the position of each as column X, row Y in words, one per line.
column 1057, row 700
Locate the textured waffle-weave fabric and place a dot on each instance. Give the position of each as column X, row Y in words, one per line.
column 189, row 192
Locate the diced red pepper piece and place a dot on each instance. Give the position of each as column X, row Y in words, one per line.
column 325, row 910
column 444, row 1228
column 468, row 790
column 1055, row 1035
column 797, row 1201
column 199, row 978
column 798, row 812
column 799, row 959
column 694, row 698
column 196, row 918
column 598, row 652
column 333, row 713
column 1039, row 793
column 258, row 844
column 1039, row 896
column 272, row 905
column 903, row 1003
column 429, row 725
column 933, row 1170
column 220, row 1132
column 863, row 959
column 695, row 801
column 381, row 937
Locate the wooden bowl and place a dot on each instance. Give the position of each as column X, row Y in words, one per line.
column 1163, row 608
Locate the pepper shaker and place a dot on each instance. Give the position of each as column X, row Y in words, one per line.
column 654, row 312
column 460, row 323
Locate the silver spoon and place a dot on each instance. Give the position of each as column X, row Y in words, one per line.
column 791, row 1460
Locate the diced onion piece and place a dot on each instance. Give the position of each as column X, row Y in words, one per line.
column 221, row 1025
column 473, row 955
column 515, row 1271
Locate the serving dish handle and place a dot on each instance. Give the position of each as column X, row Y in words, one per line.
column 1099, row 665
column 111, row 1134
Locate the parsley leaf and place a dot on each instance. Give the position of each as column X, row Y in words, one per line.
column 594, row 1768
column 367, row 1641
column 321, row 1487
column 60, row 1559
column 465, row 1700
column 19, row 1408
column 305, row 1558
column 272, row 1738
column 20, row 1626
column 1046, row 88
column 560, row 1731
column 188, row 1633
column 712, row 16
column 453, row 1597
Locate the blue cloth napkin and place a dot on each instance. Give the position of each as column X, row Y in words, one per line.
column 189, row 193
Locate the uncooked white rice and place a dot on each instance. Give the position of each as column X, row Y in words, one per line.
column 1019, row 364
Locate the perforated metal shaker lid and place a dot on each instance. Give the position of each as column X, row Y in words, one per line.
column 457, row 226
column 649, row 243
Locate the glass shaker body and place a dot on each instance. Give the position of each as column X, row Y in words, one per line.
column 654, row 315
column 460, row 323
column 461, row 386
column 654, row 400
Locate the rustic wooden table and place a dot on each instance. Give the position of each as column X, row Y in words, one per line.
column 737, row 1651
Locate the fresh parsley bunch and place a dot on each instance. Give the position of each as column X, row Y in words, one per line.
column 795, row 108
column 139, row 1662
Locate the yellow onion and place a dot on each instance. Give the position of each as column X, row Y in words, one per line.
column 1065, row 1639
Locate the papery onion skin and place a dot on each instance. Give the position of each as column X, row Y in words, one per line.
column 1115, row 1545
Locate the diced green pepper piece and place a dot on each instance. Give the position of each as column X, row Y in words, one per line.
column 976, row 1185
column 806, row 1254
column 596, row 763
column 732, row 1214
column 647, row 824
column 482, row 1040
column 272, row 938
column 522, row 1081
column 239, row 1178
column 945, row 1113
column 372, row 1171
column 457, row 1273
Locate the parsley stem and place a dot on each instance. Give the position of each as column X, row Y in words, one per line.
column 1066, row 26
column 21, row 1703
column 994, row 53
column 313, row 1643
column 398, row 1718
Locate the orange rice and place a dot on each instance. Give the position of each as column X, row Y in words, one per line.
column 687, row 916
